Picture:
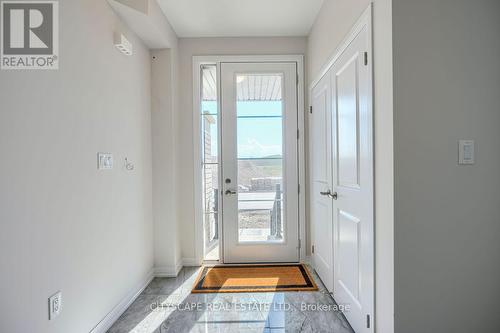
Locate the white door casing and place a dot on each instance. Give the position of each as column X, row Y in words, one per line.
column 236, row 251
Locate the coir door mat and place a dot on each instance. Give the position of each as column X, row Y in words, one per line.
column 254, row 278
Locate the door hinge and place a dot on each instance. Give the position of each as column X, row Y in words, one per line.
column 312, row 249
column 299, row 188
column 368, row 323
column 300, row 244
column 298, row 134
column 311, row 109
column 366, row 58
column 297, row 77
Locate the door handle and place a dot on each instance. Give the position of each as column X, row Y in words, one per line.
column 230, row 192
column 331, row 195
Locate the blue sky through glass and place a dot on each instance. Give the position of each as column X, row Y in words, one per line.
column 259, row 128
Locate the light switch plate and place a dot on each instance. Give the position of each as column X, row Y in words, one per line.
column 466, row 152
column 104, row 161
column 55, row 305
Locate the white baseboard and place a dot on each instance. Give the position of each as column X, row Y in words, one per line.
column 168, row 271
column 190, row 262
column 120, row 308
column 173, row 271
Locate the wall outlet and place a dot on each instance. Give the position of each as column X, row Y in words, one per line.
column 55, row 305
column 104, row 161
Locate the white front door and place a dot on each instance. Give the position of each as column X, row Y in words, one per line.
column 352, row 124
column 259, row 162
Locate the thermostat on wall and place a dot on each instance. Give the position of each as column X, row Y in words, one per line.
column 466, row 152
column 104, row 161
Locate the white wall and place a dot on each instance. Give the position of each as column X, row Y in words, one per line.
column 165, row 154
column 333, row 23
column 447, row 217
column 147, row 19
column 210, row 46
column 64, row 225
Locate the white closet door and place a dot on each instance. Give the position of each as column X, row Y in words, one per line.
column 321, row 177
column 352, row 123
column 342, row 201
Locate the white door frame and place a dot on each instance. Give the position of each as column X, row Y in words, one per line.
column 364, row 22
column 198, row 61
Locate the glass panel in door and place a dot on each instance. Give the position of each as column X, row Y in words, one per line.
column 210, row 160
column 259, row 113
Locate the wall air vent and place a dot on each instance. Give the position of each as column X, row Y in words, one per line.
column 122, row 44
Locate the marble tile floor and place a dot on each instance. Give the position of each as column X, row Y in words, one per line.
column 167, row 305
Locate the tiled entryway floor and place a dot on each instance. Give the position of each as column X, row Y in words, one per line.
column 167, row 305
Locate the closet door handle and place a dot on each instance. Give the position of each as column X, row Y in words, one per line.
column 331, row 195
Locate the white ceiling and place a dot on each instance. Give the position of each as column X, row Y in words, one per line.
column 241, row 18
